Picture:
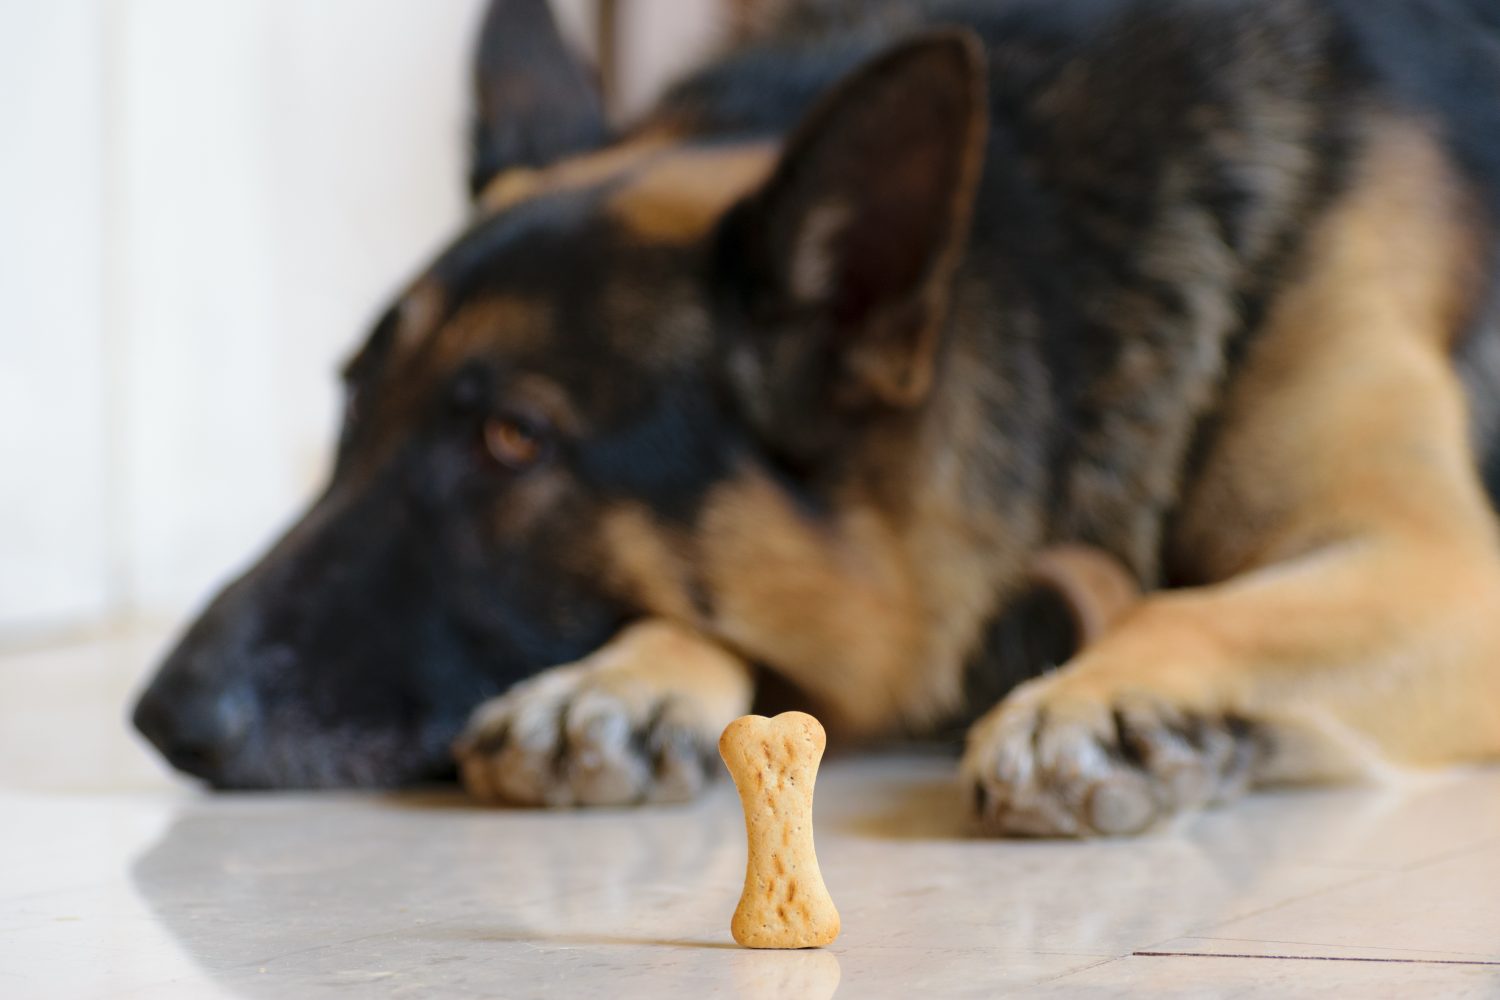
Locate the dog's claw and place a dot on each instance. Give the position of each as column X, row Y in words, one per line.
column 562, row 740
column 1057, row 759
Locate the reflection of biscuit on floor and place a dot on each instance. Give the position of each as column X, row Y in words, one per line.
column 775, row 763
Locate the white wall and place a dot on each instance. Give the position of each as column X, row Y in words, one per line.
column 54, row 466
column 281, row 167
column 204, row 205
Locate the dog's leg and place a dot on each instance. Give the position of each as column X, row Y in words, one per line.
column 1351, row 614
column 1372, row 652
column 639, row 720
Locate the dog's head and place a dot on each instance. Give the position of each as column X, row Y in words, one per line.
column 664, row 375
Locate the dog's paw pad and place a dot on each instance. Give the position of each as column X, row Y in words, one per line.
column 1055, row 761
column 564, row 739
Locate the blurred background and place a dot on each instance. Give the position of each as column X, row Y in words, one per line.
column 205, row 205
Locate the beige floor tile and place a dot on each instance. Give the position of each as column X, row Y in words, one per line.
column 1447, row 909
column 63, row 712
column 1415, row 819
column 119, row 880
column 1199, row 977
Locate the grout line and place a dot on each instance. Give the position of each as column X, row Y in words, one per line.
column 1028, row 987
column 1310, row 958
column 1449, row 855
column 1319, row 944
column 1363, row 875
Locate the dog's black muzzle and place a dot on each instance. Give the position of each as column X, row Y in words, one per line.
column 330, row 663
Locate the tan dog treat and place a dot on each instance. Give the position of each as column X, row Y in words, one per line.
column 775, row 763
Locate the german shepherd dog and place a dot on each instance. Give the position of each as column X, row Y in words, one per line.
column 785, row 387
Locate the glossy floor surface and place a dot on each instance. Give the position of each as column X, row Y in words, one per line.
column 118, row 881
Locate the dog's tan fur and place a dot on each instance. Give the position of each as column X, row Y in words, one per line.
column 519, row 184
column 678, row 197
column 654, row 674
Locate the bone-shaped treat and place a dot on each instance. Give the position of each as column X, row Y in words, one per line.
column 775, row 763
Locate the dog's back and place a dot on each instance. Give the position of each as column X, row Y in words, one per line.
column 1153, row 169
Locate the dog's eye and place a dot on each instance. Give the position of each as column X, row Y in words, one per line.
column 515, row 442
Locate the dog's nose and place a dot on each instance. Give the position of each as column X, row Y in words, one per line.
column 197, row 730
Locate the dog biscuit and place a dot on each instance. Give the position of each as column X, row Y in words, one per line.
column 775, row 763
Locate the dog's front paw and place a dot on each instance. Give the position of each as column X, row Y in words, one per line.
column 1065, row 757
column 578, row 736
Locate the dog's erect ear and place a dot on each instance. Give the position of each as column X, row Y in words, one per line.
column 843, row 260
column 536, row 102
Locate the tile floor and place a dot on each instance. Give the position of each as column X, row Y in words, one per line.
column 119, row 881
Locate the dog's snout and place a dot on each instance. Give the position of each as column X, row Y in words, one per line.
column 198, row 730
